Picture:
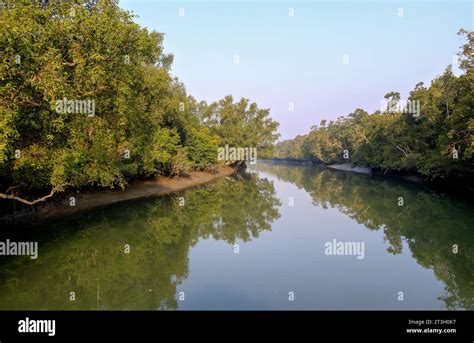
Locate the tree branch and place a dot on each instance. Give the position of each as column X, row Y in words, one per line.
column 401, row 150
column 28, row 202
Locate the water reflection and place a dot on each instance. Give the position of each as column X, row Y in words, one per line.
column 86, row 254
column 430, row 223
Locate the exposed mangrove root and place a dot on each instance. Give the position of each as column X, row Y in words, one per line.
column 25, row 201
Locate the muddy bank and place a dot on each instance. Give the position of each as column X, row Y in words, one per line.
column 349, row 168
column 139, row 189
column 294, row 162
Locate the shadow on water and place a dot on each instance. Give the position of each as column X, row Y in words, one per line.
column 430, row 223
column 87, row 253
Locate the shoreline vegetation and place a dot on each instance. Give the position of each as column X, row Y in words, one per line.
column 88, row 101
column 83, row 201
column 158, row 186
column 429, row 136
column 88, row 104
column 350, row 168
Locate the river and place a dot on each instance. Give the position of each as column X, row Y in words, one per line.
column 277, row 237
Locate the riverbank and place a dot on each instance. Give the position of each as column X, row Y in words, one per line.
column 349, row 168
column 80, row 201
column 461, row 187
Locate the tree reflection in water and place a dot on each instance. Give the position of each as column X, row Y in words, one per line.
column 429, row 222
column 86, row 254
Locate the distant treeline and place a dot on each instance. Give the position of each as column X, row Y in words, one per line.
column 436, row 140
column 87, row 100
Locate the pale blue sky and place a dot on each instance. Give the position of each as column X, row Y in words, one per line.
column 299, row 59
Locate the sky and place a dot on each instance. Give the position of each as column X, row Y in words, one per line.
column 306, row 60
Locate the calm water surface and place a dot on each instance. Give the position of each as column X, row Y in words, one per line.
column 253, row 242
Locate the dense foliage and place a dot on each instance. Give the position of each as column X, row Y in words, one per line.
column 142, row 121
column 436, row 143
